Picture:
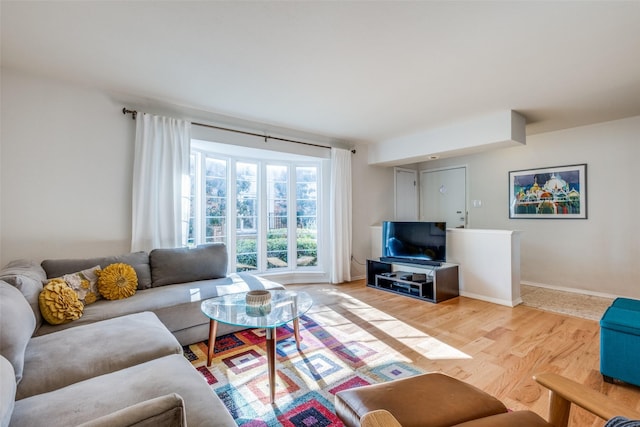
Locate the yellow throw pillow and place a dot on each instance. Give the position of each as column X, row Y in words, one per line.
column 117, row 281
column 85, row 284
column 59, row 303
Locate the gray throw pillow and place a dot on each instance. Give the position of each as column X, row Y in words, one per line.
column 27, row 276
column 163, row 411
column 7, row 391
column 23, row 267
column 17, row 323
column 181, row 265
column 138, row 260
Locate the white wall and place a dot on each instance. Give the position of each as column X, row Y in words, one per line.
column 66, row 157
column 598, row 255
column 66, row 169
column 66, row 165
column 373, row 200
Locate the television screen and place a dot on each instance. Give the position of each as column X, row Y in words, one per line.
column 418, row 242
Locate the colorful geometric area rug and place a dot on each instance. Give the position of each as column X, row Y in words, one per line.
column 307, row 380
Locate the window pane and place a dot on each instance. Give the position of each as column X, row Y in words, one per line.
column 277, row 191
column 215, row 203
column 191, row 232
column 247, row 216
column 306, row 216
column 247, row 252
column 215, row 230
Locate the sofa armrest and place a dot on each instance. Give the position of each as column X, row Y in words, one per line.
column 163, row 411
column 563, row 392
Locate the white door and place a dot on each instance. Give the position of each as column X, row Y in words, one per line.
column 406, row 194
column 443, row 196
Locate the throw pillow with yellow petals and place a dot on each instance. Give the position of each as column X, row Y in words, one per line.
column 59, row 303
column 85, row 284
column 117, row 281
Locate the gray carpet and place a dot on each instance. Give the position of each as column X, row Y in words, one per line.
column 570, row 303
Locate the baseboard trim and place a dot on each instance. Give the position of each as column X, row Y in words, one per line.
column 572, row 290
column 291, row 278
column 499, row 301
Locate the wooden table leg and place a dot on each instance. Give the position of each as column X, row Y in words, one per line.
column 296, row 332
column 213, row 331
column 271, row 362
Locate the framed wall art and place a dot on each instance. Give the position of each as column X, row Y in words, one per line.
column 558, row 192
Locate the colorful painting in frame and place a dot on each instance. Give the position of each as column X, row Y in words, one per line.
column 558, row 192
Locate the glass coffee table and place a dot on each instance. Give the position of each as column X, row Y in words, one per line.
column 285, row 306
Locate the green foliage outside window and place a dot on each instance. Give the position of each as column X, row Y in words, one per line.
column 277, row 244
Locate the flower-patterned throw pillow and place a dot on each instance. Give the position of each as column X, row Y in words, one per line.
column 117, row 281
column 85, row 284
column 59, row 303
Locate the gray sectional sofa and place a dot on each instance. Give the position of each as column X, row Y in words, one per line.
column 121, row 363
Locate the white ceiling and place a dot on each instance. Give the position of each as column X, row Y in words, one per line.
column 356, row 71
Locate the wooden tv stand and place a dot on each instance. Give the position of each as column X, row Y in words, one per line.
column 424, row 282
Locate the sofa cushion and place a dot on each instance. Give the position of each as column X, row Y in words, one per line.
column 117, row 281
column 138, row 260
column 7, row 391
column 164, row 411
column 27, row 276
column 56, row 360
column 153, row 299
column 23, row 268
column 112, row 392
column 188, row 314
column 17, row 323
column 181, row 265
column 59, row 303
column 177, row 306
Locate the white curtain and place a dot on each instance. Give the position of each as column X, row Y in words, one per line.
column 160, row 183
column 340, row 215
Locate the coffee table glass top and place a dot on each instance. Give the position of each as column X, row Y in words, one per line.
column 232, row 309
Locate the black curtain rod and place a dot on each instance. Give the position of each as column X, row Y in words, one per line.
column 134, row 114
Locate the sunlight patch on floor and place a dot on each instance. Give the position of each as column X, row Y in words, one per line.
column 430, row 347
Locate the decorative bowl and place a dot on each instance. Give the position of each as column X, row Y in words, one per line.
column 258, row 298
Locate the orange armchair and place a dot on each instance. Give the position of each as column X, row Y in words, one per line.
column 563, row 393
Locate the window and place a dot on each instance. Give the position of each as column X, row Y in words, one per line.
column 277, row 216
column 306, row 215
column 246, row 231
column 211, row 223
column 264, row 210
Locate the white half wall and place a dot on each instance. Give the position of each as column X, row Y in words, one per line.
column 488, row 263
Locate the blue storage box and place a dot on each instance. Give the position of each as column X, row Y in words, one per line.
column 620, row 342
column 627, row 304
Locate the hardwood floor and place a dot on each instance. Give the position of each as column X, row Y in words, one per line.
column 496, row 348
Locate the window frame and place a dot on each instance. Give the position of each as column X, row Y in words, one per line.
column 201, row 151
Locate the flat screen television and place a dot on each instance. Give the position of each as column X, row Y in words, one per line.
column 414, row 242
